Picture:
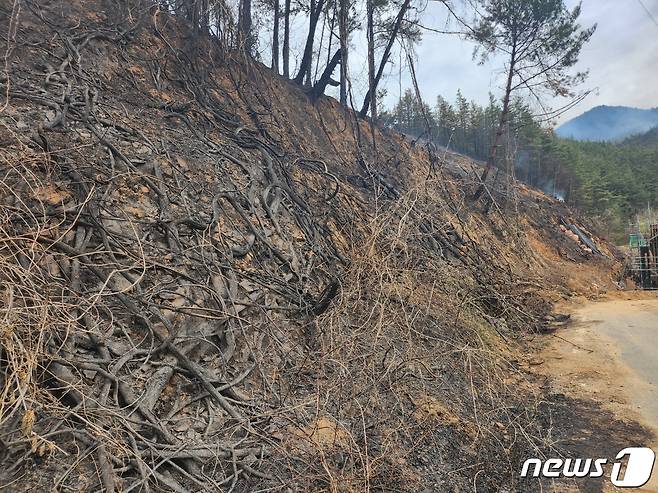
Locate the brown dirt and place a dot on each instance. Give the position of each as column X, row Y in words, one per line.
column 586, row 360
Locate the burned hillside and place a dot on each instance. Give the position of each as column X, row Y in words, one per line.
column 212, row 283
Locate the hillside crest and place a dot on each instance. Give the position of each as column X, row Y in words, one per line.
column 609, row 123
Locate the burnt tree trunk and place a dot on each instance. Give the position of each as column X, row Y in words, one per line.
column 307, row 58
column 245, row 38
column 386, row 55
column 325, row 78
column 286, row 40
column 275, row 38
column 371, row 60
column 307, row 77
column 343, row 19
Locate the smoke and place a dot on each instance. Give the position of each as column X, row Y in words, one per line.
column 549, row 187
column 528, row 171
column 522, row 166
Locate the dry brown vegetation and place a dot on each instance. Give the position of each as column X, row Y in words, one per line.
column 209, row 284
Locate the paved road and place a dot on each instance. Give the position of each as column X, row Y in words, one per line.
column 610, row 354
column 633, row 325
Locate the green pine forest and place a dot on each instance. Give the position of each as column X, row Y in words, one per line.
column 610, row 181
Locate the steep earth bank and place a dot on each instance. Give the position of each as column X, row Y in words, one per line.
column 210, row 282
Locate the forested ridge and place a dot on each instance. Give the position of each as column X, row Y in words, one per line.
column 609, row 181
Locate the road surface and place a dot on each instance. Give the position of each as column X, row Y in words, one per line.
column 610, row 354
column 633, row 326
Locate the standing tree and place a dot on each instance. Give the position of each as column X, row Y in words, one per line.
column 370, row 34
column 462, row 109
column 343, row 34
column 541, row 40
column 286, row 39
column 245, row 34
column 447, row 119
column 275, row 38
column 307, row 58
column 393, row 29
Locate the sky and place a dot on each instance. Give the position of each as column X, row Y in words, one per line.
column 622, row 59
column 621, row 56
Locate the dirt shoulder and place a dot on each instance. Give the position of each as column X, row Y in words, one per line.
column 608, row 355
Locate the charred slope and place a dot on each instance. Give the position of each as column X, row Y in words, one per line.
column 211, row 284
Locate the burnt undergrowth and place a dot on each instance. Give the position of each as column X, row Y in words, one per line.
column 209, row 284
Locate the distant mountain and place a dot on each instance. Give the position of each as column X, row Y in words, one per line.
column 609, row 123
column 648, row 139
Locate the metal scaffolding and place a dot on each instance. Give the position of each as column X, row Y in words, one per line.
column 643, row 246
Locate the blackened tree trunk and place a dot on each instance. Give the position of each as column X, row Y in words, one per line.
column 343, row 19
column 325, row 78
column 309, row 66
column 275, row 38
column 245, row 36
column 371, row 59
column 286, row 40
column 307, row 58
column 205, row 16
column 386, row 55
